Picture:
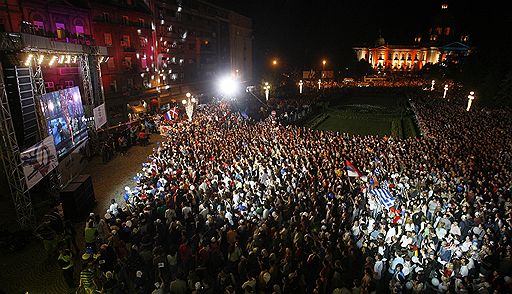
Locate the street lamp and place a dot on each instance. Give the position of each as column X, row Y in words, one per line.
column 432, row 87
column 274, row 62
column 319, row 83
column 300, row 86
column 267, row 89
column 471, row 97
column 323, row 67
column 445, row 90
column 189, row 103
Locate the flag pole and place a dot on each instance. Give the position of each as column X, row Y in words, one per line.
column 350, row 183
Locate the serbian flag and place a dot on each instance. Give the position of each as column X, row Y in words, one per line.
column 171, row 114
column 167, row 115
column 352, row 171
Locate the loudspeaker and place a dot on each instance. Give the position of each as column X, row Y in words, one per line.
column 78, row 198
column 18, row 85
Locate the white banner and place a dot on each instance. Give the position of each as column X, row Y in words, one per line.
column 100, row 116
column 39, row 160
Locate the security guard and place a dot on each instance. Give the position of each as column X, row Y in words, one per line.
column 65, row 261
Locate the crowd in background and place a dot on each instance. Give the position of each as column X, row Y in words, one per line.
column 228, row 205
column 389, row 82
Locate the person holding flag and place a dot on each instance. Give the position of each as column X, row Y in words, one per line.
column 353, row 172
column 171, row 114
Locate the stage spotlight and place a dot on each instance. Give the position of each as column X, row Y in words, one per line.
column 52, row 60
column 28, row 60
column 75, row 58
column 68, row 58
column 40, row 59
column 228, row 86
column 61, row 58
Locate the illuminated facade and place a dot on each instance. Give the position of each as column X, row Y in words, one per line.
column 440, row 47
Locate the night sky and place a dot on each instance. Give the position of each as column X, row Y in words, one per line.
column 301, row 33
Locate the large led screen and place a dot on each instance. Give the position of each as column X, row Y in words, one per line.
column 65, row 117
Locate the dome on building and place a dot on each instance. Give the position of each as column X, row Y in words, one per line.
column 380, row 41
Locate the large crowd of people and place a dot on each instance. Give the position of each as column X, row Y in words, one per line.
column 229, row 205
column 386, row 82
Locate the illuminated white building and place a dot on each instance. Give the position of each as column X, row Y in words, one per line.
column 441, row 46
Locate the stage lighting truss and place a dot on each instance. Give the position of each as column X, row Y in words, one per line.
column 50, row 59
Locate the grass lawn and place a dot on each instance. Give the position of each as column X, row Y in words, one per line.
column 363, row 112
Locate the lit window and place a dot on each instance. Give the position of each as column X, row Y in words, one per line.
column 110, row 63
column 39, row 25
column 108, row 39
column 79, row 30
column 125, row 41
column 143, row 42
column 127, row 62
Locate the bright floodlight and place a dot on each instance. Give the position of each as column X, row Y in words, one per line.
column 228, row 86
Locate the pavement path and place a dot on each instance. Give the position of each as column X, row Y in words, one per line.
column 26, row 271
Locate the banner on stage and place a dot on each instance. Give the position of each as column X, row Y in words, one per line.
column 100, row 116
column 38, row 161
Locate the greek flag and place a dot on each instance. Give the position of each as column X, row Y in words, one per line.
column 377, row 171
column 384, row 196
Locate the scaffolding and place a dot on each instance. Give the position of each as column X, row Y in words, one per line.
column 10, row 45
column 12, row 162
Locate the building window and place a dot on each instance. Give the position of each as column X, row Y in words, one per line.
column 61, row 30
column 141, row 22
column 69, row 84
column 113, row 86
column 126, row 20
column 106, row 16
column 79, row 30
column 143, row 62
column 127, row 61
column 50, row 86
column 110, row 63
column 108, row 39
column 143, row 42
column 38, row 25
column 125, row 42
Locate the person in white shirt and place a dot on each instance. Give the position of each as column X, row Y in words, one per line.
column 378, row 267
column 114, row 208
column 389, row 234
